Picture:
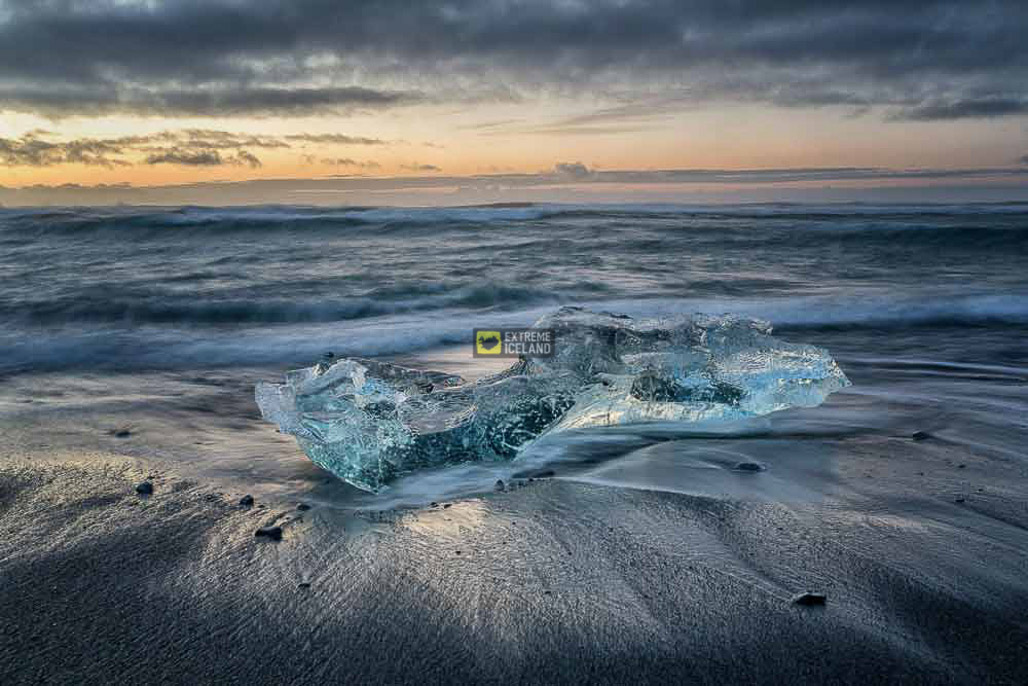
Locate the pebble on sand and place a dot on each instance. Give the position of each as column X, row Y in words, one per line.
column 303, row 507
column 144, row 488
column 122, row 433
column 749, row 467
column 246, row 500
column 810, row 599
column 536, row 474
column 272, row 532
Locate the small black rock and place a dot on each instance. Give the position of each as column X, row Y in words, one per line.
column 535, row 474
column 920, row 435
column 304, row 585
column 961, row 466
column 144, row 488
column 272, row 532
column 303, row 507
column 749, row 467
column 810, row 599
column 122, row 433
column 246, row 500
column 959, row 501
column 500, row 485
column 433, row 504
column 330, row 354
column 447, row 506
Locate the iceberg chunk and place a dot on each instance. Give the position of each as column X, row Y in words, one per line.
column 368, row 421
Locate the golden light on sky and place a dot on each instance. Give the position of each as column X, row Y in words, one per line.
column 460, row 90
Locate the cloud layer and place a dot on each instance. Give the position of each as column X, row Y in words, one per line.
column 186, row 147
column 916, row 60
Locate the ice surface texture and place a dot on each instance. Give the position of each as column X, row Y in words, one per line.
column 368, row 421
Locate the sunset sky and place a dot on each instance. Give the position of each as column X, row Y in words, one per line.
column 463, row 101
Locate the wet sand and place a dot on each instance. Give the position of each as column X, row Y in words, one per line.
column 646, row 559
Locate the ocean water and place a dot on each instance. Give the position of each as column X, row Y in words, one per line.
column 164, row 288
column 921, row 305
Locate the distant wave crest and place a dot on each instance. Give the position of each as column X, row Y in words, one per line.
column 255, row 311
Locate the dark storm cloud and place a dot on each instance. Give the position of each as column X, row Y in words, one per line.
column 292, row 57
column 247, row 158
column 191, row 147
column 191, row 158
column 32, row 150
column 965, row 109
column 207, row 100
column 209, row 139
column 202, row 158
column 274, row 100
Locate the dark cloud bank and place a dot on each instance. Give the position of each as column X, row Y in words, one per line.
column 187, row 147
column 915, row 60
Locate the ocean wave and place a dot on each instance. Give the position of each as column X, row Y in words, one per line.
column 134, row 346
column 984, row 309
column 196, row 311
column 242, row 219
column 163, row 349
column 154, row 284
column 270, row 218
column 856, row 311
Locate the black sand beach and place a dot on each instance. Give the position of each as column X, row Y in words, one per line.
column 918, row 546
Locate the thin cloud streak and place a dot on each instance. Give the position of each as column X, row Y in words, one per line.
column 350, row 162
column 335, row 139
